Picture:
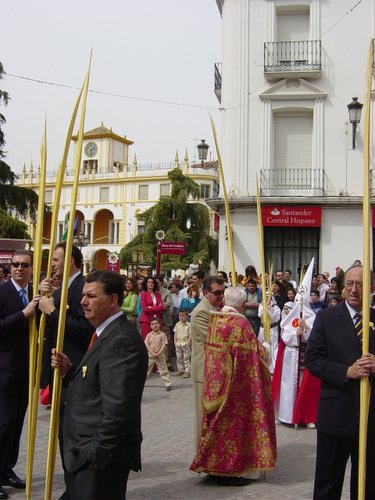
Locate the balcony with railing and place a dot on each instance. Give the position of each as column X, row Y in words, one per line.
column 217, row 80
column 292, row 59
column 292, row 182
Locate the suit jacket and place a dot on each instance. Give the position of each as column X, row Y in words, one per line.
column 78, row 330
column 332, row 347
column 14, row 337
column 149, row 309
column 199, row 329
column 103, row 407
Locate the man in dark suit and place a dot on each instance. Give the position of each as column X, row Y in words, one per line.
column 334, row 354
column 102, row 430
column 78, row 330
column 16, row 307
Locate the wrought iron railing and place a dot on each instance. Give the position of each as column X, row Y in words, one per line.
column 303, row 55
column 292, row 182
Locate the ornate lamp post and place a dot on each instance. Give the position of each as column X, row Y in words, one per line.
column 355, row 111
column 80, row 240
column 203, row 151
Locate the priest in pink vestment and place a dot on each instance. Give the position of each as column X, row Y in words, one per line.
column 238, row 428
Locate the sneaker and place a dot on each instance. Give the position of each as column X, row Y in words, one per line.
column 168, row 388
column 311, row 426
column 186, row 375
column 179, row 374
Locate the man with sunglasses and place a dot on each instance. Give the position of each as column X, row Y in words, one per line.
column 213, row 296
column 16, row 307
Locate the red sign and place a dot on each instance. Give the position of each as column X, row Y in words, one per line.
column 292, row 216
column 113, row 265
column 172, row 247
column 5, row 258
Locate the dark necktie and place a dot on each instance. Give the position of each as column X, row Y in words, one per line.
column 94, row 338
column 358, row 325
column 22, row 294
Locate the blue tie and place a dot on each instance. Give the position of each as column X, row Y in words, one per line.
column 22, row 293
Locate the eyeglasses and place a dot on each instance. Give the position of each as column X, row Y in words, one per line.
column 217, row 293
column 350, row 284
column 24, row 265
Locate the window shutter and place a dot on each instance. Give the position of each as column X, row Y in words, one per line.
column 293, row 141
column 293, row 27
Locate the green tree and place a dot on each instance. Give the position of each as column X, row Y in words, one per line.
column 11, row 227
column 181, row 220
column 14, row 200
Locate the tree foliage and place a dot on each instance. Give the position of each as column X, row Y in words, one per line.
column 182, row 221
column 13, row 199
column 10, row 227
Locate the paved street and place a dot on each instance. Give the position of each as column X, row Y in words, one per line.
column 168, row 451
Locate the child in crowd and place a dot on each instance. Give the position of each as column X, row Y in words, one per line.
column 182, row 341
column 156, row 344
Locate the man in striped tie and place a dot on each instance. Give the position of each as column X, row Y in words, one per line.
column 16, row 307
column 334, row 354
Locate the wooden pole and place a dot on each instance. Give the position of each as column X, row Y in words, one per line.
column 57, row 380
column 266, row 317
column 33, row 409
column 226, row 205
column 33, row 331
column 365, row 383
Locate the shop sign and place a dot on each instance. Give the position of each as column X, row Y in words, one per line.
column 292, row 216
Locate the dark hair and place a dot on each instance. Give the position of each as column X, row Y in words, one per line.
column 155, row 318
column 4, row 268
column 212, row 280
column 250, row 270
column 338, row 283
column 199, row 274
column 76, row 253
column 225, row 276
column 288, row 271
column 111, row 282
column 144, row 284
column 316, row 291
column 134, row 283
column 281, row 286
column 184, row 311
column 251, row 282
column 23, row 252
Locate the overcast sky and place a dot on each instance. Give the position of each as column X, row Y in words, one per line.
column 149, row 49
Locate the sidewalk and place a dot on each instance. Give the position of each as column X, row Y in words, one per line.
column 167, row 452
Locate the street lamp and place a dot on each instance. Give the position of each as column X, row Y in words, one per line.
column 355, row 111
column 80, row 240
column 203, row 151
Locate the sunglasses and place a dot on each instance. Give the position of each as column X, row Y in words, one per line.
column 24, row 265
column 217, row 293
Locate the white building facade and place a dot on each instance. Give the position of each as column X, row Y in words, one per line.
column 289, row 69
column 111, row 193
